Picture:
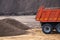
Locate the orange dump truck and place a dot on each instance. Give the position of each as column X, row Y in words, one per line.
column 49, row 18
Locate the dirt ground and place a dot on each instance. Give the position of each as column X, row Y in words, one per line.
column 33, row 34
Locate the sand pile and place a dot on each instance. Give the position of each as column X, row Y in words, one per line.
column 7, row 29
column 11, row 27
column 16, row 23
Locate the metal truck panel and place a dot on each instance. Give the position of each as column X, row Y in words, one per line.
column 48, row 15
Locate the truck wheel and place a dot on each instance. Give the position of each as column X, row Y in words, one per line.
column 58, row 27
column 47, row 28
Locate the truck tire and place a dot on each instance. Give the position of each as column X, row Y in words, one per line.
column 47, row 28
column 58, row 28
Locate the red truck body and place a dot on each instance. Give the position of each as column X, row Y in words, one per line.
column 48, row 14
column 49, row 19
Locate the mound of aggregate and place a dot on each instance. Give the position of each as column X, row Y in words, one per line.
column 7, row 29
column 16, row 23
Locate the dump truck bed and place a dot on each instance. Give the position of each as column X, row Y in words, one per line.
column 48, row 15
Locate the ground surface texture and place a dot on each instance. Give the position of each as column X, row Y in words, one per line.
column 33, row 34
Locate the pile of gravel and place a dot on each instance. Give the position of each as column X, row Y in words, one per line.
column 16, row 23
column 11, row 27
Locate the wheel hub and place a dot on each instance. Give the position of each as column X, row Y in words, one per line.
column 47, row 29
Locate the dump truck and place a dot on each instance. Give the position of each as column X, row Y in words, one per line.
column 49, row 19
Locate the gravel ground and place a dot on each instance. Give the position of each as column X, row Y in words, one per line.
column 34, row 34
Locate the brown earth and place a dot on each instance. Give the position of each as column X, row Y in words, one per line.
column 16, row 23
column 34, row 34
column 11, row 27
column 9, row 30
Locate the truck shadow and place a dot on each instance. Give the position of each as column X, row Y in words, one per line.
column 54, row 32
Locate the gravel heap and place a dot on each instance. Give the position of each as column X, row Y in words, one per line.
column 11, row 27
column 16, row 23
